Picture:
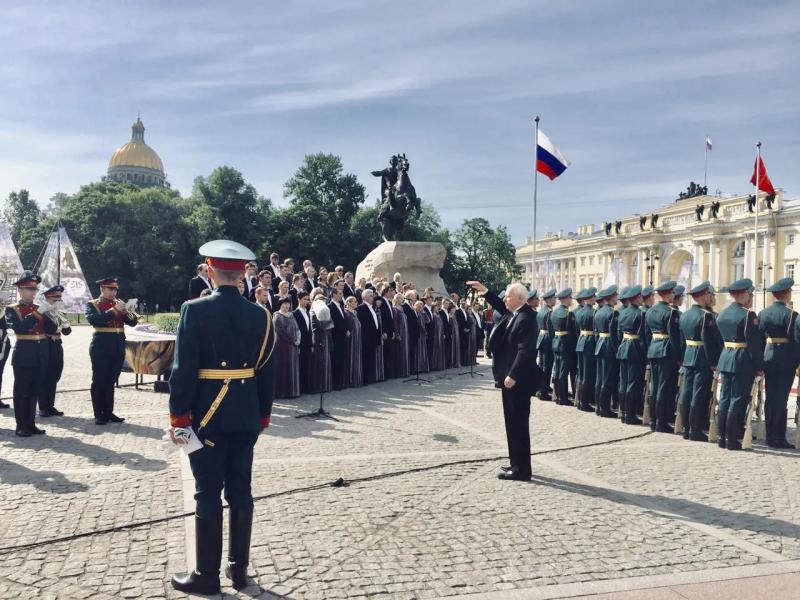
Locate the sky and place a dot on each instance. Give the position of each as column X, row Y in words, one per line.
column 628, row 90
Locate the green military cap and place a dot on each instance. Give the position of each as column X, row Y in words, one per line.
column 592, row 291
column 608, row 292
column 549, row 294
column 741, row 285
column 702, row 288
column 781, row 285
column 533, row 294
column 667, row 286
column 723, row 289
column 565, row 293
column 647, row 291
column 623, row 292
column 631, row 292
column 679, row 290
column 226, row 254
column 28, row 279
column 581, row 294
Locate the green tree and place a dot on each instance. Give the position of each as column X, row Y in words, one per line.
column 24, row 218
column 483, row 253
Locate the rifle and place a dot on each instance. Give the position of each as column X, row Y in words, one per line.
column 678, row 414
column 761, row 424
column 712, row 417
column 646, row 409
column 747, row 441
column 797, row 415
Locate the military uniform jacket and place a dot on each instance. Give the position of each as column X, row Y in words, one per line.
column 775, row 322
column 631, row 322
column 700, row 325
column 25, row 320
column 100, row 314
column 545, row 339
column 737, row 324
column 222, row 331
column 562, row 320
column 605, row 322
column 662, row 319
column 584, row 320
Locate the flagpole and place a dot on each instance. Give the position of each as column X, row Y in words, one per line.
column 755, row 229
column 705, row 170
column 535, row 190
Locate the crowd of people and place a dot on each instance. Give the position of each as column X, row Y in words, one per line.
column 334, row 333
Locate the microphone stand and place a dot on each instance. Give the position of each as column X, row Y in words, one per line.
column 320, row 413
column 416, row 379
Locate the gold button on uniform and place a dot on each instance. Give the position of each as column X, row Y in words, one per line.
column 223, row 364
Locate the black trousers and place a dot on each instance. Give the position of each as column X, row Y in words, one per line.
column 105, row 372
column 777, row 386
column 338, row 349
column 28, row 386
column 228, row 465
column 3, row 362
column 517, row 411
column 55, row 366
column 695, row 395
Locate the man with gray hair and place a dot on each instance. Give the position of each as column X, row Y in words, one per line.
column 513, row 348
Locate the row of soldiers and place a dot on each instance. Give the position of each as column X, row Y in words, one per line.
column 648, row 359
column 38, row 356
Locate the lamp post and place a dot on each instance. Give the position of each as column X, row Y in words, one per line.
column 651, row 259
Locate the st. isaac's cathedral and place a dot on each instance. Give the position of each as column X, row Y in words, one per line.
column 136, row 162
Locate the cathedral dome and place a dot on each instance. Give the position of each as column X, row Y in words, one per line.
column 136, row 162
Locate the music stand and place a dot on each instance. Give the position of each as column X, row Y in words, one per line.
column 320, row 413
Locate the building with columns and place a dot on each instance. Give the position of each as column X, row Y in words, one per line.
column 690, row 240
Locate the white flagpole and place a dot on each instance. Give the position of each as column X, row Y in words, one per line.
column 705, row 170
column 755, row 229
column 535, row 185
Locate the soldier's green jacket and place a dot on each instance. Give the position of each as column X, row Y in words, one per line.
column 780, row 321
column 562, row 319
column 223, row 331
column 661, row 318
column 699, row 324
column 545, row 339
column 737, row 324
column 584, row 320
column 605, row 321
column 631, row 321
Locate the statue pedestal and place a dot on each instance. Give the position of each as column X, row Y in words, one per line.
column 418, row 263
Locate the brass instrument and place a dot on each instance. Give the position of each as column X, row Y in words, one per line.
column 678, row 414
column 712, row 415
column 646, row 409
column 747, row 441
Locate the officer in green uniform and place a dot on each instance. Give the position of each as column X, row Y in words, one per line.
column 222, row 386
column 544, row 344
column 632, row 354
column 703, row 345
column 606, row 341
column 619, row 391
column 778, row 323
column 741, row 361
column 533, row 300
column 678, row 296
column 564, row 334
column 647, row 302
column 664, row 355
column 584, row 349
column 30, row 356
column 55, row 362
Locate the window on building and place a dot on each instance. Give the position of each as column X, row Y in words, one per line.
column 583, row 261
column 788, row 270
column 790, row 239
column 737, row 264
column 583, row 283
column 591, row 260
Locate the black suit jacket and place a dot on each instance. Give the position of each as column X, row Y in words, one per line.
column 413, row 330
column 430, row 326
column 514, row 347
column 370, row 335
column 387, row 319
column 446, row 322
column 250, row 294
column 196, row 286
column 349, row 291
column 305, row 330
column 339, row 323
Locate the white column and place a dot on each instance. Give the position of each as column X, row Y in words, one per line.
column 696, row 250
column 561, row 265
column 637, row 276
column 712, row 263
column 748, row 256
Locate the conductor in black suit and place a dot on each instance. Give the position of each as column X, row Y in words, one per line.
column 200, row 282
column 304, row 323
column 513, row 346
column 339, row 336
column 370, row 336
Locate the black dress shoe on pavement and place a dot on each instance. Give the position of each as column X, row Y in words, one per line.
column 114, row 418
column 54, row 412
column 196, row 583
column 4, row 405
column 100, row 421
column 721, row 443
column 733, row 445
column 633, row 421
column 686, row 435
column 37, row 431
column 513, row 475
column 44, row 414
column 782, row 444
column 23, row 433
column 664, row 429
column 609, row 414
column 698, row 437
column 586, row 408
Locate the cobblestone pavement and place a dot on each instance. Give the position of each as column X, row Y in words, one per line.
column 645, row 508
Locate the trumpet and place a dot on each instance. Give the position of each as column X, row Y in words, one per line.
column 129, row 312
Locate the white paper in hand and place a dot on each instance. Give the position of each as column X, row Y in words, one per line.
column 132, row 303
column 191, row 441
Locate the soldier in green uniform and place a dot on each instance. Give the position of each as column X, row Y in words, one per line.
column 664, row 355
column 55, row 362
column 741, row 361
column 584, row 349
column 544, row 344
column 632, row 354
column 222, row 387
column 678, row 296
column 108, row 315
column 533, row 300
column 30, row 356
column 606, row 342
column 647, row 302
column 565, row 337
column 703, row 345
column 619, row 391
column 778, row 323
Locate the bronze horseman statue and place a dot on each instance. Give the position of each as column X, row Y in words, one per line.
column 398, row 198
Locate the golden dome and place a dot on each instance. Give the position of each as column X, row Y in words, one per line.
column 136, row 153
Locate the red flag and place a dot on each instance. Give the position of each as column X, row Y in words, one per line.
column 764, row 184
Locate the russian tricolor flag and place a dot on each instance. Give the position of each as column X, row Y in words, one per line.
column 549, row 160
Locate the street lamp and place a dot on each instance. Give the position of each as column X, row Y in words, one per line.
column 651, row 260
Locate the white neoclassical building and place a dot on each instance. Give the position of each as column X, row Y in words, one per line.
column 689, row 240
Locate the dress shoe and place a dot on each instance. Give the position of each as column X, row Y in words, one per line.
column 23, row 433
column 4, row 405
column 698, row 437
column 586, row 408
column 544, row 397
column 208, row 555
column 45, row 414
column 733, row 445
column 513, row 475
column 196, row 583
column 721, row 443
column 37, row 431
column 664, row 429
column 114, row 418
column 609, row 414
column 100, row 421
column 633, row 420
column 782, row 444
column 54, row 412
